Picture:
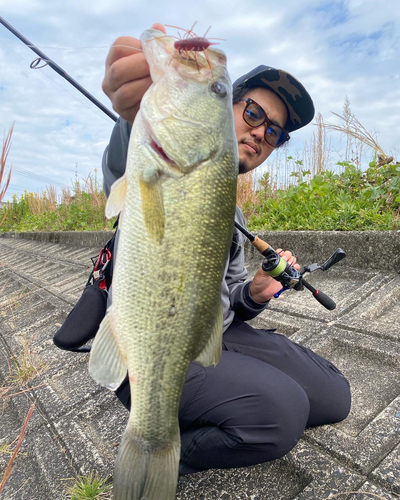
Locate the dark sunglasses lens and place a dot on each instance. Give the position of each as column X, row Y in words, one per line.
column 254, row 115
column 274, row 135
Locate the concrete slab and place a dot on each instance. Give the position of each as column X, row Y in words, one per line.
column 378, row 314
column 76, row 426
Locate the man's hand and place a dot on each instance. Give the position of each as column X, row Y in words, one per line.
column 264, row 287
column 127, row 75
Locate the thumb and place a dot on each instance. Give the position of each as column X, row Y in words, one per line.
column 159, row 27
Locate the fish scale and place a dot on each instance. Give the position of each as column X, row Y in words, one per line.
column 177, row 203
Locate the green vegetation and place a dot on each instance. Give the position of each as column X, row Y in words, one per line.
column 352, row 200
column 81, row 211
column 313, row 197
column 89, row 487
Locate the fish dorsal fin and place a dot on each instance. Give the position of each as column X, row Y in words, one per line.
column 107, row 363
column 116, row 199
column 211, row 353
column 153, row 207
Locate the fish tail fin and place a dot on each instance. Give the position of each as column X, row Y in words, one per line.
column 145, row 472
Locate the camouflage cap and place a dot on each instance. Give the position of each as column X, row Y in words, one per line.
column 295, row 97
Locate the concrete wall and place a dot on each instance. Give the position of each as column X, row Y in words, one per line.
column 377, row 250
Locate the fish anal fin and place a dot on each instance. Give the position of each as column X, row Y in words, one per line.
column 116, row 198
column 107, row 363
column 211, row 353
column 153, row 208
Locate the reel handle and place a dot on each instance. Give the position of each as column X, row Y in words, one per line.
column 333, row 259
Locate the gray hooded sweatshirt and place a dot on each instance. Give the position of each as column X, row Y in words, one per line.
column 236, row 299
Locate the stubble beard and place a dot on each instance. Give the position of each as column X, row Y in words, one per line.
column 243, row 167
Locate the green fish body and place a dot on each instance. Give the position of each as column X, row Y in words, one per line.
column 177, row 204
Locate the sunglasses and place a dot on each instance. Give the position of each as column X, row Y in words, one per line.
column 254, row 116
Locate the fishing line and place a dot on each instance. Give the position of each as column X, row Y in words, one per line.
column 39, row 60
column 65, row 90
column 59, row 70
column 7, row 42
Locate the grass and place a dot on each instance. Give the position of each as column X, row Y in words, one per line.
column 89, row 487
column 22, row 369
column 77, row 210
column 290, row 194
column 25, row 366
column 6, row 449
column 353, row 200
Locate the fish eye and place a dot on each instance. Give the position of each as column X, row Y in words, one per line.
column 219, row 89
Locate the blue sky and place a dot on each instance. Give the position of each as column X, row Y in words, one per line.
column 336, row 49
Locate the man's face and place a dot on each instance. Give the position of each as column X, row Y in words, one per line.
column 253, row 148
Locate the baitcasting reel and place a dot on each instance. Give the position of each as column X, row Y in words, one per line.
column 288, row 276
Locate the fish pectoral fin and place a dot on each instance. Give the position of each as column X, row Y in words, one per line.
column 211, row 354
column 116, row 198
column 107, row 363
column 153, row 207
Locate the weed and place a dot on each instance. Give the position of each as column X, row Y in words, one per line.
column 80, row 211
column 6, row 449
column 350, row 201
column 25, row 365
column 8, row 470
column 290, row 194
column 89, row 487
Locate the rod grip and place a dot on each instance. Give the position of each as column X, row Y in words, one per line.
column 261, row 245
column 324, row 300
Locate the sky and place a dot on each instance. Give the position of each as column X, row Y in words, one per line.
column 336, row 48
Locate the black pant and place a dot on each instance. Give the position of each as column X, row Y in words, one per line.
column 255, row 404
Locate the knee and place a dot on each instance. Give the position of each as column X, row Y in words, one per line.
column 281, row 423
column 341, row 404
column 334, row 406
column 291, row 420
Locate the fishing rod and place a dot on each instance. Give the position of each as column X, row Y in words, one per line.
column 287, row 275
column 273, row 263
column 43, row 58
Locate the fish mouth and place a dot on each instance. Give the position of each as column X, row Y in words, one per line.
column 159, row 150
column 154, row 144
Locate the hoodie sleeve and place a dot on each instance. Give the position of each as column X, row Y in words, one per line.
column 114, row 157
column 236, row 290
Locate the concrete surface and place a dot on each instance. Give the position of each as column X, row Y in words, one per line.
column 77, row 425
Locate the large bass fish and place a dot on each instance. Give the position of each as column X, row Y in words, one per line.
column 177, row 203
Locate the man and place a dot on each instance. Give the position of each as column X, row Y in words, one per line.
column 255, row 404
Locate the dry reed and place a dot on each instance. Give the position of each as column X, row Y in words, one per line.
column 316, row 155
column 97, row 196
column 353, row 129
column 66, row 196
column 8, row 471
column 46, row 201
column 3, row 159
column 245, row 191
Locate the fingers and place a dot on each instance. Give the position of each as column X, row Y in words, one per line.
column 127, row 75
column 122, row 47
column 289, row 256
column 126, row 68
column 159, row 27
